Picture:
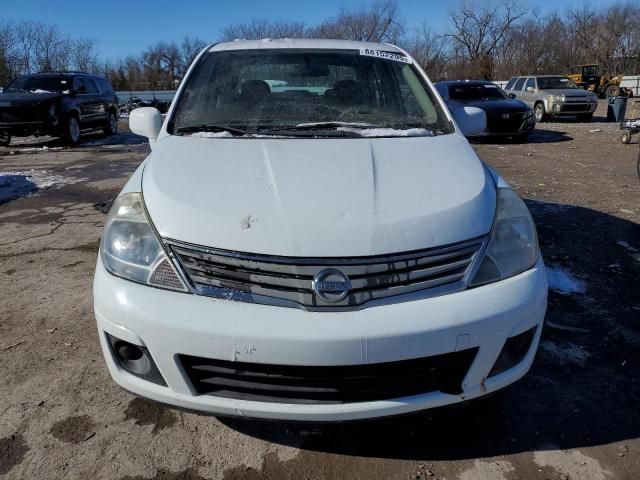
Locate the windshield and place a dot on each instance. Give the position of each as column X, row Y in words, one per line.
column 477, row 91
column 38, row 85
column 551, row 83
column 261, row 91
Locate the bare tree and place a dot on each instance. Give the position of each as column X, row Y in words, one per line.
column 430, row 51
column 479, row 31
column 381, row 22
column 191, row 47
column 262, row 28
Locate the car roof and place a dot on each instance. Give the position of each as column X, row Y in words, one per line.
column 302, row 43
column 59, row 74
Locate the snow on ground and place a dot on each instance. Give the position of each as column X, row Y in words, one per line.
column 14, row 185
column 626, row 246
column 562, row 281
column 566, row 352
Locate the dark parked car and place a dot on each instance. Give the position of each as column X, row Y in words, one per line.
column 506, row 116
column 58, row 104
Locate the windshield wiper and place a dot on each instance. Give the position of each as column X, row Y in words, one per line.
column 210, row 128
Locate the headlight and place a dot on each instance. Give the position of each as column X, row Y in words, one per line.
column 593, row 99
column 513, row 246
column 528, row 114
column 130, row 248
column 556, row 98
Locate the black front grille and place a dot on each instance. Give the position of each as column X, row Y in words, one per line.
column 575, row 108
column 22, row 114
column 504, row 122
column 329, row 384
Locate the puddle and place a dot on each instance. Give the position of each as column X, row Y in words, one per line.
column 14, row 186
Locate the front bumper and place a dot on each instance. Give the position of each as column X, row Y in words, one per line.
column 169, row 324
column 570, row 109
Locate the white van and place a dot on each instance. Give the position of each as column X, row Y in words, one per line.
column 313, row 238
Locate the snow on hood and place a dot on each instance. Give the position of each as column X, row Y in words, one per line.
column 318, row 197
column 389, row 132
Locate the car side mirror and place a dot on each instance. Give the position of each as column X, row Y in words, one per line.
column 80, row 90
column 471, row 120
column 512, row 95
column 531, row 89
column 147, row 122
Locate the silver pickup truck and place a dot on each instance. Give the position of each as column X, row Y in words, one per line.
column 553, row 96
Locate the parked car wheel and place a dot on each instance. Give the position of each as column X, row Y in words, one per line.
column 625, row 138
column 612, row 91
column 72, row 134
column 585, row 118
column 539, row 112
column 5, row 139
column 112, row 125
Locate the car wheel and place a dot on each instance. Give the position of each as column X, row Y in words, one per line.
column 612, row 91
column 625, row 138
column 112, row 125
column 539, row 112
column 585, row 118
column 72, row 135
column 5, row 139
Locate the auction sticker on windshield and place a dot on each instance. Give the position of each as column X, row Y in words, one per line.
column 398, row 57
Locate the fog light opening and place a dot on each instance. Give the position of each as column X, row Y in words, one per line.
column 514, row 351
column 127, row 351
column 135, row 360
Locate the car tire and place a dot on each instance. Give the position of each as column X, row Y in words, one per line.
column 625, row 138
column 612, row 91
column 72, row 133
column 539, row 112
column 112, row 125
column 585, row 118
column 5, row 139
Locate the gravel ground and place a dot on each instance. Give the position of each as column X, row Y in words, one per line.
column 574, row 416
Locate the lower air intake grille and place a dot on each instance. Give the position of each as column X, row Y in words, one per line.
column 331, row 384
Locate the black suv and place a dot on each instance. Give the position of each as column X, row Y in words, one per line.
column 59, row 104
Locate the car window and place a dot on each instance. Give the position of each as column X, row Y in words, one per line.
column 510, row 83
column 260, row 89
column 442, row 90
column 531, row 82
column 104, row 85
column 551, row 83
column 90, row 85
column 519, row 84
column 38, row 84
column 476, row 91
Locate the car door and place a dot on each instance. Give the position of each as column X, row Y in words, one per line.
column 518, row 87
column 529, row 92
column 94, row 103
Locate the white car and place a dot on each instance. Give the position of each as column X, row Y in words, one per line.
column 330, row 249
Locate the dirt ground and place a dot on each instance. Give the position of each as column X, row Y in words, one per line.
column 576, row 415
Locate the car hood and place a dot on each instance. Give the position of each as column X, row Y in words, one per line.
column 318, row 197
column 17, row 99
column 503, row 105
column 568, row 92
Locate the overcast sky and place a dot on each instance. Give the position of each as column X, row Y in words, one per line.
column 123, row 28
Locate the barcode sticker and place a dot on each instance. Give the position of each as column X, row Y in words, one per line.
column 398, row 57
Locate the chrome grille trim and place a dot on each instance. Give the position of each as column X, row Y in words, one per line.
column 286, row 281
